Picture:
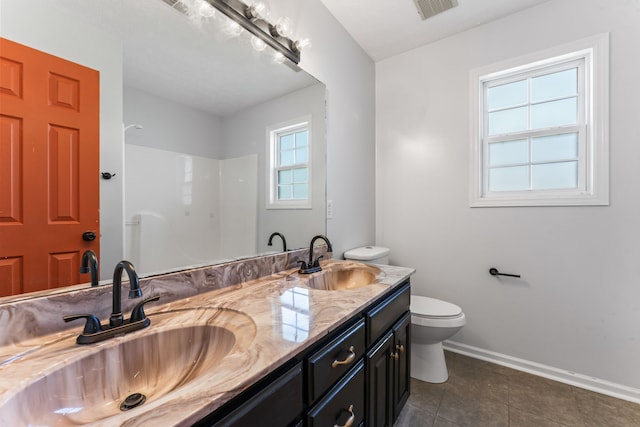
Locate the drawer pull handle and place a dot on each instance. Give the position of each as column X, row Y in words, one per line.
column 350, row 358
column 400, row 348
column 351, row 419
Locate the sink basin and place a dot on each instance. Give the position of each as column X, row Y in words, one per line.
column 177, row 349
column 339, row 276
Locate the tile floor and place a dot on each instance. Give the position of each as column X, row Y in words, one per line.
column 481, row 394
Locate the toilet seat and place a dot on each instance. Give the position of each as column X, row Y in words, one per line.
column 432, row 308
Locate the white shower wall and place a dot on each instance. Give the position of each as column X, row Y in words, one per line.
column 180, row 206
column 193, row 204
column 239, row 205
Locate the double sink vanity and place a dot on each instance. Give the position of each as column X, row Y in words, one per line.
column 250, row 342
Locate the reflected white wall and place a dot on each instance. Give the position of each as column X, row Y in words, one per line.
column 246, row 132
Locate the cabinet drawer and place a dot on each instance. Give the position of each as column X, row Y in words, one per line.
column 328, row 364
column 383, row 316
column 343, row 402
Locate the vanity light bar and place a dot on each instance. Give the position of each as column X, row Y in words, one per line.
column 244, row 16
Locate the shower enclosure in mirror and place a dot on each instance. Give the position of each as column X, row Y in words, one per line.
column 184, row 113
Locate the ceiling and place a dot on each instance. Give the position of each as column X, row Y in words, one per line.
column 384, row 28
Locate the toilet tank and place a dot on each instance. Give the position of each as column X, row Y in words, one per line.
column 368, row 254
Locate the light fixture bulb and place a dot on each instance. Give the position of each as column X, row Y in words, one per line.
column 258, row 10
column 205, row 9
column 301, row 44
column 258, row 44
column 283, row 26
column 233, row 29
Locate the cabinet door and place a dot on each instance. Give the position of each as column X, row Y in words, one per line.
column 402, row 361
column 380, row 380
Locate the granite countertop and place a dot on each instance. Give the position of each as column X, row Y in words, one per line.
column 270, row 319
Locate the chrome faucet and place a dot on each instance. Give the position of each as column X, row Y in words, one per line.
column 90, row 265
column 94, row 331
column 284, row 241
column 314, row 266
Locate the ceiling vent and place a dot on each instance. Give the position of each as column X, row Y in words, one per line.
column 428, row 8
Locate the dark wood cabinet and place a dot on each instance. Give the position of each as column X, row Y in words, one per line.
column 356, row 376
column 388, row 365
column 279, row 401
column 379, row 380
column 402, row 360
column 388, row 361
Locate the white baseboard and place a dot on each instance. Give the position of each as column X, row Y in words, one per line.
column 572, row 378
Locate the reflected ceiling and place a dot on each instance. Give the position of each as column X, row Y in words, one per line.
column 208, row 82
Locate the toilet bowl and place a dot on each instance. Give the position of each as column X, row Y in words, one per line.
column 432, row 321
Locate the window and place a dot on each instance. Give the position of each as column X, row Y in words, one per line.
column 290, row 165
column 541, row 128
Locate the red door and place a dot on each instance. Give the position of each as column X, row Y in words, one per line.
column 49, row 160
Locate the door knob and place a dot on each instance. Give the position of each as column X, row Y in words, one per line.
column 88, row 236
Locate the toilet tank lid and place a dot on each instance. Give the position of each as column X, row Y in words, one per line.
column 431, row 307
column 366, row 253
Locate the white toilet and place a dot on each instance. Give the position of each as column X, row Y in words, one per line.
column 432, row 321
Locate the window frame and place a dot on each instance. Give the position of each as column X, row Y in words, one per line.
column 273, row 133
column 592, row 127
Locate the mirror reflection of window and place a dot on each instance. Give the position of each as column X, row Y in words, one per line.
column 290, row 166
column 294, row 312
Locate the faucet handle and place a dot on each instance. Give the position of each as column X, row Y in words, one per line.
column 138, row 311
column 303, row 265
column 91, row 327
column 316, row 263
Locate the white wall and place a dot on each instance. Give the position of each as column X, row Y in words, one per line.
column 337, row 61
column 577, row 306
column 246, row 132
column 40, row 25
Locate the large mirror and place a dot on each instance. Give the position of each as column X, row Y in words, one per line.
column 187, row 114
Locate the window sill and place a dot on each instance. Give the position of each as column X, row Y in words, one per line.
column 538, row 200
column 289, row 206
